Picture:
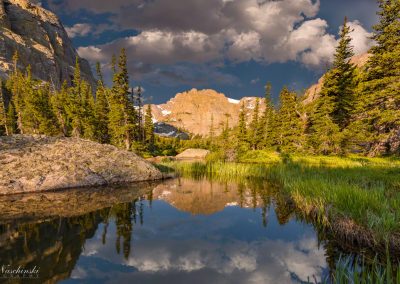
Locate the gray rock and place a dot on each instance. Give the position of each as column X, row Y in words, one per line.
column 39, row 163
column 41, row 41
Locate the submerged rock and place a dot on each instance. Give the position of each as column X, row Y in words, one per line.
column 39, row 163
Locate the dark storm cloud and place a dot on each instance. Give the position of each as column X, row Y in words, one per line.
column 212, row 31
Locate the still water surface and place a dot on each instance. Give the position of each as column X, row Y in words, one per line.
column 177, row 231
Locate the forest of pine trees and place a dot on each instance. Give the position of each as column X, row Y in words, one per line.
column 357, row 111
column 112, row 115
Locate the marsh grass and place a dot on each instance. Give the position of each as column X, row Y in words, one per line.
column 334, row 192
column 350, row 270
column 364, row 190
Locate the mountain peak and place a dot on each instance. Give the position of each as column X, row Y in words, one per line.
column 196, row 110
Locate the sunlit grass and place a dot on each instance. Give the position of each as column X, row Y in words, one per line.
column 365, row 190
column 263, row 156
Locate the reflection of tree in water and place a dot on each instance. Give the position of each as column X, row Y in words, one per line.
column 126, row 215
column 123, row 223
column 53, row 245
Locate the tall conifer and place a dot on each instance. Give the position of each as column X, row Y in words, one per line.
column 377, row 117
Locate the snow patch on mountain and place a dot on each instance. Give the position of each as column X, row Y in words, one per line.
column 233, row 101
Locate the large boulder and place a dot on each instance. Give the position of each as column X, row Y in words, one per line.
column 192, row 154
column 38, row 163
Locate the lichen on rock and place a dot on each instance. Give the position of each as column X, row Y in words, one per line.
column 40, row 163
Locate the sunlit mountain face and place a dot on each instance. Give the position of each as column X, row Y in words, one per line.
column 232, row 46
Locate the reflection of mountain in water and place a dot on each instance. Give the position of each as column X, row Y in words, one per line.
column 49, row 230
column 206, row 197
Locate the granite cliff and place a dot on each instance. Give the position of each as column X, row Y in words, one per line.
column 40, row 40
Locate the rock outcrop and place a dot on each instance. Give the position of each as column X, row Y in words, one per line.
column 195, row 110
column 38, row 163
column 40, row 40
column 193, row 154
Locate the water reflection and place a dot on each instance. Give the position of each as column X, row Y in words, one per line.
column 178, row 231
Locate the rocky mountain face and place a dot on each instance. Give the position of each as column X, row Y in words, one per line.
column 197, row 110
column 204, row 197
column 313, row 92
column 40, row 40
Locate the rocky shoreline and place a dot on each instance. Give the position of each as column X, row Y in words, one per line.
column 40, row 163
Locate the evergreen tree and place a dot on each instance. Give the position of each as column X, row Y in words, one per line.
column 211, row 133
column 3, row 112
column 89, row 116
column 254, row 129
column 75, row 103
column 101, row 109
column 121, row 115
column 340, row 81
column 290, row 131
column 268, row 119
column 139, row 112
column 59, row 102
column 149, row 129
column 242, row 130
column 333, row 108
column 325, row 136
column 377, row 117
column 11, row 122
column 15, row 86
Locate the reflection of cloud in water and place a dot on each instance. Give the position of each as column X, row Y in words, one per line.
column 263, row 261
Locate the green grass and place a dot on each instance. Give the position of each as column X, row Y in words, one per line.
column 374, row 273
column 364, row 190
column 270, row 157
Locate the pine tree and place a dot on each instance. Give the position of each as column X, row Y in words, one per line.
column 268, row 119
column 211, row 133
column 252, row 132
column 149, row 129
column 242, row 130
column 11, row 119
column 377, row 117
column 75, row 103
column 121, row 115
column 242, row 134
column 139, row 102
column 89, row 116
column 101, row 109
column 47, row 122
column 59, row 102
column 341, row 82
column 3, row 112
column 325, row 136
column 332, row 111
column 290, row 132
column 15, row 86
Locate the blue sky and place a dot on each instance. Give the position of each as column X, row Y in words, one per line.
column 232, row 46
